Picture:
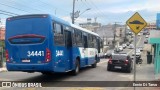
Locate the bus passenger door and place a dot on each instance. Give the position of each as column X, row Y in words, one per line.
column 68, row 51
column 85, row 44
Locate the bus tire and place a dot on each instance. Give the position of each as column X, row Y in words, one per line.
column 94, row 65
column 77, row 68
column 47, row 73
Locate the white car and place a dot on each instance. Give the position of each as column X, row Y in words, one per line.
column 138, row 52
column 139, row 34
column 124, row 45
column 147, row 36
column 131, row 46
column 120, row 48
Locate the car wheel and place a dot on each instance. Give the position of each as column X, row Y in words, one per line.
column 129, row 69
column 109, row 68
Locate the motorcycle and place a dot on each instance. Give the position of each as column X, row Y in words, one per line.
column 138, row 60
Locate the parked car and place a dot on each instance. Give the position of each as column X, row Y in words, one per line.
column 120, row 48
column 148, row 33
column 145, row 41
column 124, row 46
column 120, row 61
column 101, row 55
column 139, row 34
column 138, row 52
column 147, row 36
column 128, row 44
column 131, row 46
column 108, row 54
column 140, row 48
column 117, row 50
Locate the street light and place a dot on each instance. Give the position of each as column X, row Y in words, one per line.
column 78, row 14
column 85, row 11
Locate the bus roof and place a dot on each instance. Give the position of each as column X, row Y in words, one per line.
column 54, row 18
column 73, row 25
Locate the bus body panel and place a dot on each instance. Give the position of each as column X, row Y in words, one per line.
column 26, row 53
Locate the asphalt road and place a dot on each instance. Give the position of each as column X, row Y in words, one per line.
column 86, row 74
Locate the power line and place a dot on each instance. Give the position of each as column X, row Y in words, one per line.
column 14, row 7
column 53, row 6
column 8, row 12
column 11, row 1
column 96, row 12
column 97, row 8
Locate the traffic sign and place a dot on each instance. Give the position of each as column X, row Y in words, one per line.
column 136, row 23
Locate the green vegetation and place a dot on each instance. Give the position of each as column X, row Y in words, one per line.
column 2, row 44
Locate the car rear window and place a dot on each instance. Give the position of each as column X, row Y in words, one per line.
column 119, row 57
column 26, row 39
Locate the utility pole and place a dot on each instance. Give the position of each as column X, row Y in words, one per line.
column 114, row 40
column 73, row 12
column 125, row 38
column 114, row 34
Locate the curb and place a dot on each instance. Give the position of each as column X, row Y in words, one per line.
column 3, row 70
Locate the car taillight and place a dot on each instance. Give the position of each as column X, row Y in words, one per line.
column 126, row 62
column 48, row 55
column 110, row 61
column 7, row 56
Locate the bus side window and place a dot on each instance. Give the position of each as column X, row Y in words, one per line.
column 73, row 37
column 85, row 41
column 58, row 29
column 98, row 45
column 58, row 34
column 94, row 42
column 78, row 37
column 91, row 41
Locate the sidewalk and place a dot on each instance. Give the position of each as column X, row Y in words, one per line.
column 144, row 72
column 3, row 69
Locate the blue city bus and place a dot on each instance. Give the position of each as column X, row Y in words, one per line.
column 45, row 43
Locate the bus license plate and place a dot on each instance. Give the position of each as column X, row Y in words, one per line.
column 117, row 67
column 25, row 60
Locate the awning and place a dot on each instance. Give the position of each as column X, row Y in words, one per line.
column 154, row 36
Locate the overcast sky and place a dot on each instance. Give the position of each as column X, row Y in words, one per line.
column 106, row 11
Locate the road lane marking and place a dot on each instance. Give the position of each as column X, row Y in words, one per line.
column 139, row 41
column 136, row 45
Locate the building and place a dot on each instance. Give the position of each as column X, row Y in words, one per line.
column 154, row 40
column 90, row 25
column 151, row 26
column 2, row 33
